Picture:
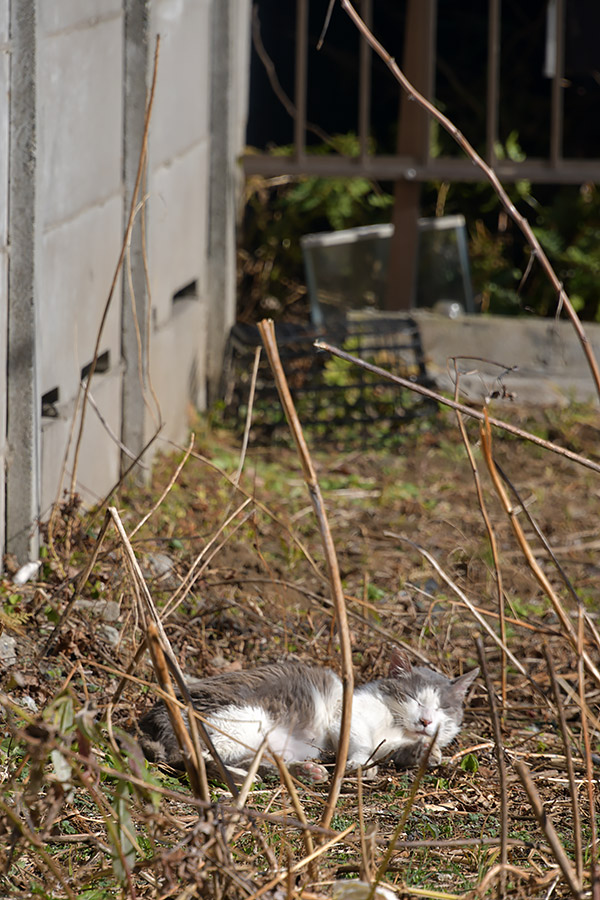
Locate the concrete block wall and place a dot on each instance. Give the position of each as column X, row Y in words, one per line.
column 74, row 81
column 80, row 203
column 178, row 207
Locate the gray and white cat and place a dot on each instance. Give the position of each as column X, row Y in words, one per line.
column 297, row 707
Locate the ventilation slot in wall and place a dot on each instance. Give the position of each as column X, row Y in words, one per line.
column 102, row 365
column 189, row 292
column 49, row 401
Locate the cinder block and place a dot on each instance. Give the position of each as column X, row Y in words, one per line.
column 4, row 146
column 180, row 117
column 81, row 108
column 99, row 456
column 76, row 268
column 178, row 367
column 177, row 236
column 61, row 14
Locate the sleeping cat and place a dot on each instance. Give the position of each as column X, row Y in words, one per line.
column 298, row 708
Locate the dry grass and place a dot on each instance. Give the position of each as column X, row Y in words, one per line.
column 84, row 816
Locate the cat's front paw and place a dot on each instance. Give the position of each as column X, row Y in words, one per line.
column 312, row 771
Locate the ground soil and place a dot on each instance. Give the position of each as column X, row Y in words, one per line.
column 262, row 592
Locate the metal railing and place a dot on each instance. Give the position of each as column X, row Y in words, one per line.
column 554, row 169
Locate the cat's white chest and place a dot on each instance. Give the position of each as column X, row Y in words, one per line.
column 374, row 733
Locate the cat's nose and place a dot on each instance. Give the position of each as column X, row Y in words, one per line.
column 424, row 722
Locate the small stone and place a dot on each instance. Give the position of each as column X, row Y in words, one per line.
column 8, row 650
column 107, row 610
column 110, row 634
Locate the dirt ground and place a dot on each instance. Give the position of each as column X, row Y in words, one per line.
column 262, row 592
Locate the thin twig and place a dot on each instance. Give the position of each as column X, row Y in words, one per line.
column 238, row 474
column 504, row 198
column 81, row 581
column 539, row 532
column 569, row 763
column 473, row 609
column 499, row 746
column 460, row 407
column 170, row 484
column 589, row 771
column 408, row 805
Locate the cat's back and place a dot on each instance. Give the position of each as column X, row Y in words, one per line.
column 289, row 684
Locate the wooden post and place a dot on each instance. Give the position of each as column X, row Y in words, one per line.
column 413, row 142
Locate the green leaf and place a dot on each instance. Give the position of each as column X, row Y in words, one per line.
column 469, row 763
column 123, row 853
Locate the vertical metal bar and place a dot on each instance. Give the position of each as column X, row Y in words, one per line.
column 557, row 107
column 364, row 84
column 493, row 80
column 300, row 82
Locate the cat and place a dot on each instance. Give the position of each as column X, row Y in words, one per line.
column 298, row 708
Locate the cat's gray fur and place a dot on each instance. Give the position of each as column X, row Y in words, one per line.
column 298, row 708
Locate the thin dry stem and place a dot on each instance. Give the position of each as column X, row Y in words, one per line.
column 194, row 764
column 499, row 747
column 546, row 826
column 124, row 245
column 569, row 763
column 473, row 609
column 589, row 770
column 167, row 489
column 459, row 407
column 540, row 575
column 491, row 537
column 267, row 331
column 85, row 574
column 238, row 474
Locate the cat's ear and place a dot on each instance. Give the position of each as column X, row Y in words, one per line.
column 399, row 663
column 461, row 685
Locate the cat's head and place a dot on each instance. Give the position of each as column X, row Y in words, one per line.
column 425, row 702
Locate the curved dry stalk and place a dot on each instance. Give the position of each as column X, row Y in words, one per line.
column 263, row 508
column 151, row 617
column 267, row 331
column 538, row 572
column 463, row 143
column 491, row 538
column 194, row 573
column 459, row 407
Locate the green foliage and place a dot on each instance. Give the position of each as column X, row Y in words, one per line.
column 280, row 211
column 470, row 763
column 566, row 220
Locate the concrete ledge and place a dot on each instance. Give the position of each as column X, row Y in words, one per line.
column 552, row 368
